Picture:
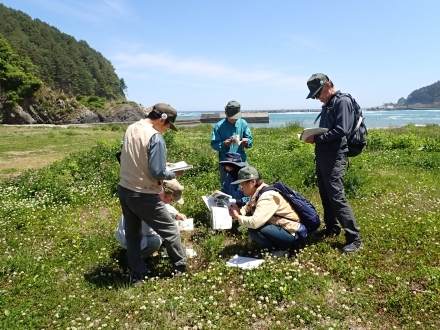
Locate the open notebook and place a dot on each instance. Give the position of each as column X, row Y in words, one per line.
column 179, row 166
column 244, row 262
column 217, row 204
column 311, row 131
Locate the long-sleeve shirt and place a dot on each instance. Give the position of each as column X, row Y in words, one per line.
column 157, row 153
column 223, row 130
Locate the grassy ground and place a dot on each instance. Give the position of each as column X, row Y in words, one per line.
column 61, row 267
column 27, row 147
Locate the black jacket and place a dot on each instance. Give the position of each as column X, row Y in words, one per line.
column 338, row 116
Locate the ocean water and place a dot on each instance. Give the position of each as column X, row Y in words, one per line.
column 373, row 119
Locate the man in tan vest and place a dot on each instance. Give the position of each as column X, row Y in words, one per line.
column 143, row 169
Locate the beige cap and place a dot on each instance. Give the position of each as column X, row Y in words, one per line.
column 174, row 188
column 167, row 112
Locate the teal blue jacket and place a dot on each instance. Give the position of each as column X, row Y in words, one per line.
column 223, row 130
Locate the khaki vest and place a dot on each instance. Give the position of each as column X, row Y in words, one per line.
column 134, row 172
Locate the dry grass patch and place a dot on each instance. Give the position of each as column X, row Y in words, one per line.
column 33, row 147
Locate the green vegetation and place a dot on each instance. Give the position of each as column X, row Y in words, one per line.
column 61, row 267
column 17, row 75
column 57, row 59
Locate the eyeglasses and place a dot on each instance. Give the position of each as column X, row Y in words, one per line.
column 168, row 191
column 318, row 94
column 244, row 182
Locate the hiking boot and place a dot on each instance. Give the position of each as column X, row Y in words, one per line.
column 353, row 247
column 327, row 233
column 279, row 253
column 137, row 282
column 179, row 271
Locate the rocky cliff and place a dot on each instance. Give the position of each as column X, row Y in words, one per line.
column 62, row 112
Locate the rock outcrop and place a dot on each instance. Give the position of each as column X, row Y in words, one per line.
column 84, row 116
column 17, row 116
column 124, row 113
column 63, row 112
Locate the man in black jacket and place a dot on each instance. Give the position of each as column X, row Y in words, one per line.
column 331, row 149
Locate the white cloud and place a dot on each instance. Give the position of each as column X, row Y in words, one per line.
column 306, row 44
column 141, row 63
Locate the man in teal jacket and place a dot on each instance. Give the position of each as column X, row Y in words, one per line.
column 231, row 134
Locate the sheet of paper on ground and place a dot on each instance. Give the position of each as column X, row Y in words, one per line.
column 244, row 262
column 190, row 253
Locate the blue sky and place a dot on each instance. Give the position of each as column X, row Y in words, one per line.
column 198, row 55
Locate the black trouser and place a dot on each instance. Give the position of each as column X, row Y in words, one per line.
column 330, row 170
column 138, row 207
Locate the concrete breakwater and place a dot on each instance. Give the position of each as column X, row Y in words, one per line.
column 257, row 117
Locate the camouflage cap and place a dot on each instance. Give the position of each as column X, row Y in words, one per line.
column 233, row 110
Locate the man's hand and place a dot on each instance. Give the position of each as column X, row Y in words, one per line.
column 234, row 211
column 180, row 216
column 310, row 139
column 179, row 173
column 244, row 142
column 227, row 142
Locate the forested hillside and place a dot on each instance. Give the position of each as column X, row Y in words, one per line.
column 425, row 95
column 61, row 62
column 48, row 77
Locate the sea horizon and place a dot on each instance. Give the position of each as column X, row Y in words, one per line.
column 373, row 118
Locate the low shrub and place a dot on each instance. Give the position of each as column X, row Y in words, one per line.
column 57, row 242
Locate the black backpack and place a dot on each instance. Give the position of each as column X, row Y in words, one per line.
column 357, row 139
column 305, row 210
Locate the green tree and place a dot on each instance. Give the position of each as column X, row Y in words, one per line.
column 401, row 101
column 61, row 62
column 17, row 80
column 122, row 86
column 425, row 95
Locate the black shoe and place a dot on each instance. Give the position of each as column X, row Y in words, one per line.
column 179, row 271
column 150, row 272
column 353, row 247
column 327, row 233
column 137, row 282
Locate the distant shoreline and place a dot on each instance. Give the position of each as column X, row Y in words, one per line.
column 305, row 110
column 257, row 111
column 399, row 109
